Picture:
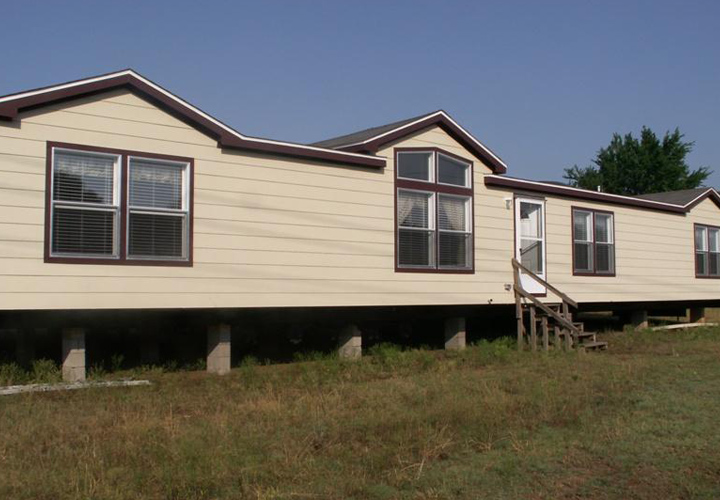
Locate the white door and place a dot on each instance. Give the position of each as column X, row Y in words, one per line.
column 530, row 241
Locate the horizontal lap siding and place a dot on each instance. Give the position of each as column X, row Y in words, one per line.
column 269, row 232
column 274, row 232
column 654, row 255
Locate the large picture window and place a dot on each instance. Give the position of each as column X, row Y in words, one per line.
column 110, row 206
column 434, row 212
column 707, row 251
column 593, row 242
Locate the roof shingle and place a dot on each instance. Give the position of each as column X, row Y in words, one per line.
column 362, row 135
column 681, row 197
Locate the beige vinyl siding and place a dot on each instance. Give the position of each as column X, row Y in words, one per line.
column 654, row 254
column 269, row 231
column 277, row 231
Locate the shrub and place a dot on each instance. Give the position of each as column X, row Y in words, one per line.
column 309, row 356
column 45, row 371
column 96, row 372
column 12, row 374
column 116, row 362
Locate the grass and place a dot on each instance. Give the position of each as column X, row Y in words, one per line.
column 638, row 421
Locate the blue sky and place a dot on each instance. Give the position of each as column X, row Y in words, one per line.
column 542, row 83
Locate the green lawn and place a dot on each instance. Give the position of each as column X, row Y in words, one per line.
column 638, row 421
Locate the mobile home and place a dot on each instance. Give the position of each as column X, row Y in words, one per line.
column 118, row 197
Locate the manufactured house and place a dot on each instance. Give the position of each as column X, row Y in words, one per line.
column 121, row 202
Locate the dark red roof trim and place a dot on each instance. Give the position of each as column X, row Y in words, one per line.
column 10, row 109
column 441, row 120
column 581, row 194
column 710, row 193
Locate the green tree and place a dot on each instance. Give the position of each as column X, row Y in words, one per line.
column 631, row 166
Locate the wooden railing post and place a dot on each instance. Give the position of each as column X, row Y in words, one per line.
column 519, row 317
column 533, row 330
column 544, row 283
column 562, row 316
column 568, row 332
column 518, row 310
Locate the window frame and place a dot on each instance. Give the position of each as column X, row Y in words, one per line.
column 707, row 252
column 113, row 207
column 593, row 243
column 122, row 190
column 435, row 189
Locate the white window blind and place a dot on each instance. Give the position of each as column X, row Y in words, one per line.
column 416, row 232
column 707, row 251
column 454, row 247
column 85, row 206
column 713, row 252
column 701, row 250
column 582, row 226
column 594, row 242
column 604, row 248
column 157, row 209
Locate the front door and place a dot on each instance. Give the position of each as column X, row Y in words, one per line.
column 530, row 241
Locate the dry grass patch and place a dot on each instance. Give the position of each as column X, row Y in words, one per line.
column 638, row 421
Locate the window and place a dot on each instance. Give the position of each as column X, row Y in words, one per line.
column 108, row 206
column 434, row 212
column 85, row 204
column 416, row 165
column 707, row 251
column 593, row 242
column 416, row 231
column 157, row 209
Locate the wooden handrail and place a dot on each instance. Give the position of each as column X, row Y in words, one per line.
column 519, row 267
column 558, row 317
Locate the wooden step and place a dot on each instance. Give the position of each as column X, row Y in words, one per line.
column 596, row 345
column 580, row 326
column 584, row 335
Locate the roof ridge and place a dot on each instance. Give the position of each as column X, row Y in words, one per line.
column 376, row 128
column 227, row 136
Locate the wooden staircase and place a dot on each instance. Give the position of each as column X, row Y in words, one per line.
column 546, row 317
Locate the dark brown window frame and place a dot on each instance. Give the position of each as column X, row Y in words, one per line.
column 594, row 243
column 122, row 258
column 695, row 252
column 436, row 188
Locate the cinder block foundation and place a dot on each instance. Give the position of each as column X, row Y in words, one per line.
column 218, row 349
column 639, row 319
column 73, row 354
column 697, row 315
column 350, row 342
column 455, row 334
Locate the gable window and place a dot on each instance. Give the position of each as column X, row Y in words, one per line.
column 116, row 207
column 434, row 212
column 593, row 242
column 707, row 251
